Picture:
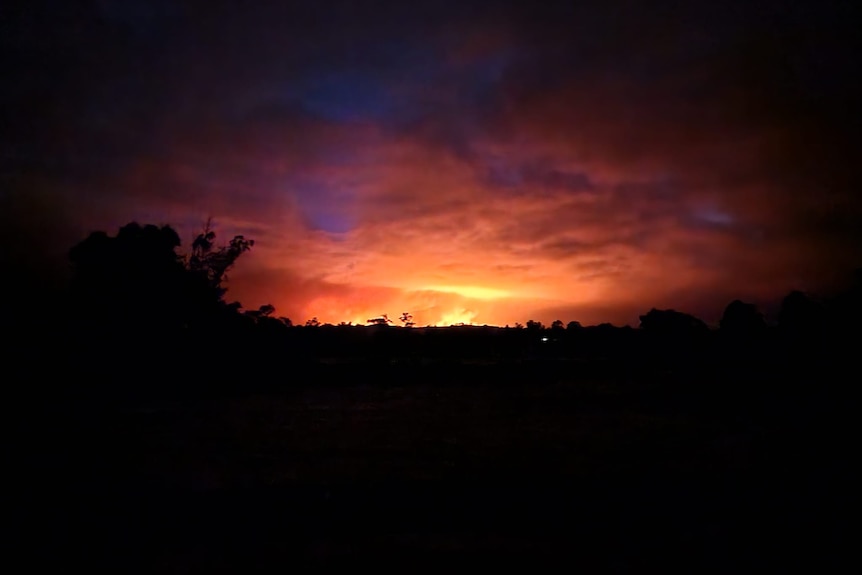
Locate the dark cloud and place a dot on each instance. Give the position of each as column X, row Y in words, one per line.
column 567, row 154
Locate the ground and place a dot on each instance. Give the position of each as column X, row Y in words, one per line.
column 486, row 465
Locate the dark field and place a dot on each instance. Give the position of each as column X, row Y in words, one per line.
column 564, row 466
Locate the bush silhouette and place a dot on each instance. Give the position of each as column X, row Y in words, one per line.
column 800, row 314
column 669, row 322
column 742, row 319
column 136, row 280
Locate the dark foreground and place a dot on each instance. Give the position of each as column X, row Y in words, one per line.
column 550, row 466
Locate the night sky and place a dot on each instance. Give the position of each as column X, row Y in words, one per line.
column 483, row 162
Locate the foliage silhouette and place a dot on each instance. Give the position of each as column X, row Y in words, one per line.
column 800, row 315
column 846, row 306
column 134, row 276
column 383, row 320
column 669, row 322
column 211, row 262
column 136, row 301
column 742, row 319
column 137, row 280
column 264, row 311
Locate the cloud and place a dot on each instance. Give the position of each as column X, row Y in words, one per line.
column 469, row 163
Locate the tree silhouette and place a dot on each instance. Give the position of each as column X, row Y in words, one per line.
column 742, row 319
column 137, row 280
column 407, row 319
column 534, row 325
column 846, row 306
column 213, row 263
column 557, row 325
column 264, row 311
column 574, row 326
column 136, row 274
column 799, row 314
column 382, row 320
column 313, row 322
column 671, row 322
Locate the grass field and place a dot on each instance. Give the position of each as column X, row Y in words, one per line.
column 481, row 464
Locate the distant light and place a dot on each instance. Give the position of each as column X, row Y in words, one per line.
column 544, row 339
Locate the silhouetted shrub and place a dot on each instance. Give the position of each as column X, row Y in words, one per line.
column 801, row 315
column 670, row 322
column 742, row 319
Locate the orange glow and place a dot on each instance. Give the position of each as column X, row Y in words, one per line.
column 457, row 317
column 475, row 292
column 572, row 199
column 429, row 234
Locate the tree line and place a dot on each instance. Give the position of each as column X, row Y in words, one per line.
column 138, row 278
column 137, row 308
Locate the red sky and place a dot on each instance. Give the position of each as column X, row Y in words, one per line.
column 473, row 164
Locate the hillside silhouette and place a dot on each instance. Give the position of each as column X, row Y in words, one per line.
column 167, row 423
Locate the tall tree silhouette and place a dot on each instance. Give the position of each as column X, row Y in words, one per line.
column 742, row 319
column 137, row 280
column 213, row 262
column 136, row 275
column 800, row 314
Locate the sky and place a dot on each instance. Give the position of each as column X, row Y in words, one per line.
column 475, row 162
